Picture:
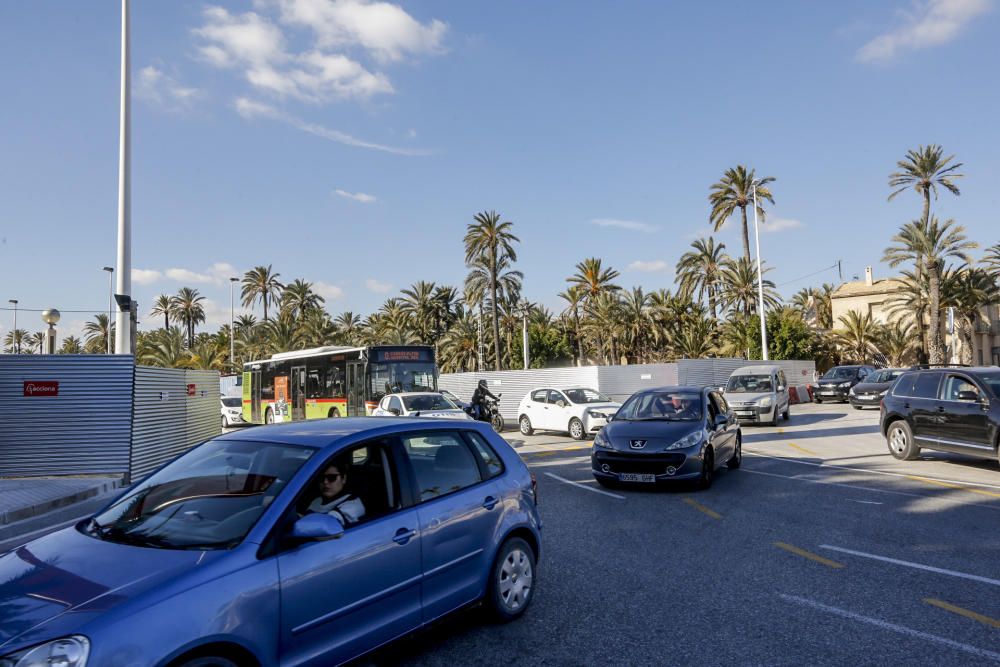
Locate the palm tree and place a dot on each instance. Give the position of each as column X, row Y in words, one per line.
column 697, row 340
column 162, row 307
column 282, row 333
column 636, row 323
column 858, row 335
column 298, row 298
column 71, row 345
column 347, row 324
column 992, row 258
column 207, row 355
column 739, row 335
column 968, row 291
column 735, row 191
column 260, row 284
column 36, row 340
column 700, row 271
column 97, row 333
column 924, row 170
column 164, row 347
column 603, row 325
column 419, row 302
column 187, row 307
column 573, row 296
column 928, row 246
column 488, row 240
column 15, row 340
column 898, row 342
column 739, row 287
column 593, row 279
column 317, row 328
column 460, row 345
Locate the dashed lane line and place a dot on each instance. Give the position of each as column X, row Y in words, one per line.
column 808, row 554
column 892, row 627
column 916, row 566
column 701, row 508
column 961, row 611
column 950, row 485
column 802, row 449
column 584, row 486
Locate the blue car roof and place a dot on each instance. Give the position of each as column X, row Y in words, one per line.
column 319, row 433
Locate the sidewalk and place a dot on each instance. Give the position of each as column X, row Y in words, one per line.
column 26, row 497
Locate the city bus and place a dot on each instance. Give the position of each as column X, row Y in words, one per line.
column 333, row 381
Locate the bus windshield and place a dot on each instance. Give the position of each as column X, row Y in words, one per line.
column 401, row 376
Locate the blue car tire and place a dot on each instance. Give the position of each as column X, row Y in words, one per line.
column 512, row 580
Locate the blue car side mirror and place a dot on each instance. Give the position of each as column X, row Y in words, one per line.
column 317, row 527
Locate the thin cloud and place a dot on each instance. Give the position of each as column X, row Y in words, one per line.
column 630, row 225
column 217, row 274
column 655, row 266
column 378, row 287
column 161, row 90
column 933, row 23
column 780, row 224
column 328, row 291
column 146, row 276
column 356, row 196
column 250, row 109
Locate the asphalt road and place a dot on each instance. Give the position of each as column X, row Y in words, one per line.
column 821, row 550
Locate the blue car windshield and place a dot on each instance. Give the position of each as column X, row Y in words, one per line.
column 209, row 498
column 661, row 406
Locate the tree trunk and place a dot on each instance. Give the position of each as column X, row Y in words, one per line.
column 576, row 333
column 746, row 234
column 496, row 317
column 964, row 324
column 927, row 206
column 265, row 307
column 711, row 300
column 936, row 347
column 166, row 321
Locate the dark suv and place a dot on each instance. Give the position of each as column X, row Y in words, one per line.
column 953, row 410
column 836, row 383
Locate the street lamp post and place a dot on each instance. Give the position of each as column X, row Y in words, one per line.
column 50, row 317
column 123, row 319
column 525, row 308
column 760, row 281
column 14, row 340
column 111, row 301
column 232, row 325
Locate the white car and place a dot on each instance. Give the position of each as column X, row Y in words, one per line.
column 419, row 404
column 232, row 411
column 575, row 410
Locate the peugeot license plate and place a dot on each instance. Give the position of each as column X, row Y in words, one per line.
column 636, row 477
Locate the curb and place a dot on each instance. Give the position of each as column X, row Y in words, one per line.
column 30, row 511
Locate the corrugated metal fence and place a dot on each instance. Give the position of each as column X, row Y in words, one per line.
column 76, row 419
column 73, row 414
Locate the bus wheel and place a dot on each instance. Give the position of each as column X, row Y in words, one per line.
column 334, row 413
column 268, row 416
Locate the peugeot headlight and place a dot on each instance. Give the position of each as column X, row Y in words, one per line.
column 845, row 384
column 883, row 392
column 600, row 440
column 765, row 402
column 65, row 652
column 690, row 440
column 851, row 392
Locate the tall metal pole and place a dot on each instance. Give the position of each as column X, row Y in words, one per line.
column 524, row 336
column 232, row 325
column 760, row 281
column 123, row 318
column 15, row 342
column 111, row 301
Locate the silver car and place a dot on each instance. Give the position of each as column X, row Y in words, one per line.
column 758, row 394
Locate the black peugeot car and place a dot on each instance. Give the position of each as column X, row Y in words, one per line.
column 952, row 410
column 836, row 383
column 869, row 392
column 672, row 433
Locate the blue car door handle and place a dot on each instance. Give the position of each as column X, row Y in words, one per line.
column 490, row 502
column 403, row 535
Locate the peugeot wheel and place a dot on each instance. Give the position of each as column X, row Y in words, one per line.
column 576, row 429
column 707, row 470
column 512, row 581
column 525, row 425
column 737, row 458
column 900, row 441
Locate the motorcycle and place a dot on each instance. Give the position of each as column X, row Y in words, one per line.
column 490, row 413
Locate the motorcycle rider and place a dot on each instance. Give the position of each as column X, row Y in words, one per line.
column 479, row 397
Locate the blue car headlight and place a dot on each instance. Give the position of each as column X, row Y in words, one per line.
column 65, row 652
column 690, row 440
column 600, row 441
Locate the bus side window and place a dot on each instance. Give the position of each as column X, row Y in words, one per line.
column 334, row 381
column 314, row 383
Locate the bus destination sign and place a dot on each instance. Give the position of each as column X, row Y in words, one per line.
column 401, row 355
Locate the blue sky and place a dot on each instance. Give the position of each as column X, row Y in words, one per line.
column 349, row 142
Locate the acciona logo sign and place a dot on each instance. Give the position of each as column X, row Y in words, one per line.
column 41, row 388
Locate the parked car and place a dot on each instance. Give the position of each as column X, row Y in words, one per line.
column 232, row 411
column 667, row 434
column 869, row 393
column 836, row 383
column 949, row 410
column 759, row 394
column 419, row 404
column 575, row 410
column 216, row 558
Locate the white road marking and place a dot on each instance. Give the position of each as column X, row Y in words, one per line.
column 864, row 502
column 810, row 480
column 917, row 566
column 584, row 486
column 873, row 472
column 885, row 625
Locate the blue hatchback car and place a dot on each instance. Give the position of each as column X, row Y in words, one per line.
column 298, row 544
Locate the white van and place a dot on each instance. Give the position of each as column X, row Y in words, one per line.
column 758, row 394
